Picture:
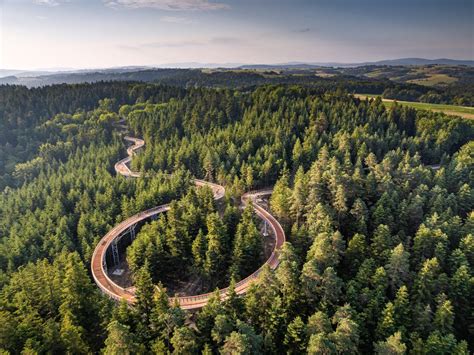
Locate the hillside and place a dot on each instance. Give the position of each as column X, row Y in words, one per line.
column 440, row 84
column 374, row 252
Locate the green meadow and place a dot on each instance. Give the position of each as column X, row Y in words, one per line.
column 453, row 110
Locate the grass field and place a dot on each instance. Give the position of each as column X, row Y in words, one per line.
column 452, row 110
column 434, row 79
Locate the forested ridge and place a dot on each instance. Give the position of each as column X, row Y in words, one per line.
column 377, row 204
column 447, row 84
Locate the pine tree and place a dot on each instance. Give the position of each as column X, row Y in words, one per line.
column 398, row 267
column 331, row 288
column 387, row 324
column 231, row 220
column 199, row 248
column 346, row 335
column 382, row 243
column 460, row 291
column 206, row 317
column 299, row 196
column 280, row 200
column 260, row 297
column 144, row 304
column 287, row 276
column 236, row 343
column 297, row 155
column 340, row 202
column 355, row 252
column 249, row 180
column 72, row 335
column 184, row 341
column 80, row 304
column 360, row 216
column 233, row 304
column 209, row 166
column 320, row 344
column 401, row 309
column 215, row 254
column 319, row 323
column 295, row 337
column 223, row 326
column 444, row 315
column 248, row 246
column 120, row 340
column 393, row 345
column 311, row 279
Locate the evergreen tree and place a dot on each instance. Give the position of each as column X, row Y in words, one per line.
column 299, row 196
column 287, row 276
column 295, row 337
column 392, row 346
column 215, row 254
column 398, row 267
column 280, row 200
column 248, row 246
column 183, row 341
column 120, row 340
column 144, row 304
column 199, row 249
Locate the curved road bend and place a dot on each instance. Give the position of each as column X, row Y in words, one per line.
column 98, row 263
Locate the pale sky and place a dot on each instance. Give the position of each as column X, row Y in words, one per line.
column 106, row 33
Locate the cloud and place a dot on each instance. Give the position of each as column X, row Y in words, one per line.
column 303, row 30
column 176, row 19
column 215, row 41
column 169, row 5
column 218, row 41
column 176, row 44
column 227, row 40
column 47, row 2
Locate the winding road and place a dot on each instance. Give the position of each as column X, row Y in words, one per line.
column 99, row 263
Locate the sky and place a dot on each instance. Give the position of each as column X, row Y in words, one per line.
column 74, row 34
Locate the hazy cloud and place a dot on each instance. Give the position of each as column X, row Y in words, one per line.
column 176, row 19
column 176, row 44
column 48, row 2
column 215, row 41
column 303, row 30
column 218, row 41
column 169, row 5
column 227, row 40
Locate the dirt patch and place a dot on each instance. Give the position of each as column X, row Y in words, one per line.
column 125, row 279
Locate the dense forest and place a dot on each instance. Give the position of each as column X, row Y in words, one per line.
column 377, row 204
column 440, row 84
column 191, row 241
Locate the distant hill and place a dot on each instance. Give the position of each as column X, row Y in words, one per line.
column 406, row 70
column 421, row 61
column 281, row 66
column 388, row 62
column 85, row 76
column 21, row 73
column 50, row 72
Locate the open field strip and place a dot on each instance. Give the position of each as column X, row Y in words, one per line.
column 452, row 110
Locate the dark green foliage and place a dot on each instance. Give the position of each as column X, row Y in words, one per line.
column 192, row 241
column 380, row 250
column 53, row 307
column 247, row 246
